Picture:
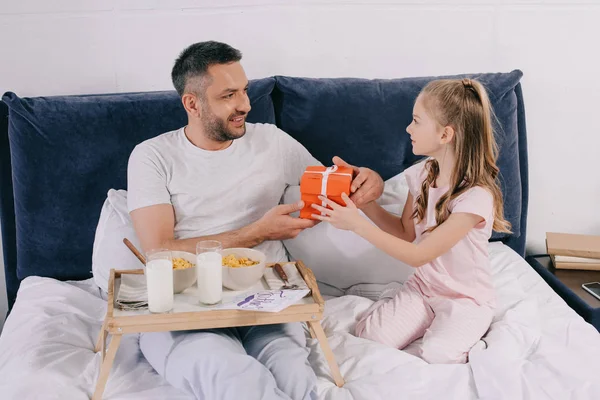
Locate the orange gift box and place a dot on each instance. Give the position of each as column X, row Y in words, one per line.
column 327, row 181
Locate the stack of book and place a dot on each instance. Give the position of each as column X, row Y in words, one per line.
column 571, row 251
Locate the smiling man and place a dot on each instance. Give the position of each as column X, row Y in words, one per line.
column 220, row 178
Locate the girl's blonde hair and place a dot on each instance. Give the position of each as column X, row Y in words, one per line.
column 463, row 105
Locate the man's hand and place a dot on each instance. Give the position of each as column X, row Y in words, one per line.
column 367, row 185
column 277, row 224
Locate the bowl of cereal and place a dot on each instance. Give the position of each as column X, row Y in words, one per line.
column 242, row 268
column 184, row 270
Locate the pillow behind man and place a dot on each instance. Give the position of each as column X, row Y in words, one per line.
column 342, row 259
column 109, row 250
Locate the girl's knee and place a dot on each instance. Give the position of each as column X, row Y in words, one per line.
column 370, row 320
column 381, row 333
column 367, row 329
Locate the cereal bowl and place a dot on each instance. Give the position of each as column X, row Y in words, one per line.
column 243, row 277
column 183, row 278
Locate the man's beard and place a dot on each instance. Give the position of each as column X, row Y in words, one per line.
column 216, row 128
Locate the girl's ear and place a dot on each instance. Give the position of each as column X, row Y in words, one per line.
column 447, row 135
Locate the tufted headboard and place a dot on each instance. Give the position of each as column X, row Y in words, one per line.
column 60, row 155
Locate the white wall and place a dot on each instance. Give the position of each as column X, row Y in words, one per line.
column 85, row 46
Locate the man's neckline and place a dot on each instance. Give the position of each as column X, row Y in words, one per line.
column 211, row 153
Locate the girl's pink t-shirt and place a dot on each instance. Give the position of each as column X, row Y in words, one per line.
column 463, row 271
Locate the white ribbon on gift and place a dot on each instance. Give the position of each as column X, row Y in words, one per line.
column 331, row 170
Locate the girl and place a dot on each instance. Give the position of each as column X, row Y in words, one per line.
column 453, row 205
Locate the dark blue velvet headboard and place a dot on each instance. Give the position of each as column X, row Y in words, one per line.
column 60, row 155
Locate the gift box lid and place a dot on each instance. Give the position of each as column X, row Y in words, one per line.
column 326, row 180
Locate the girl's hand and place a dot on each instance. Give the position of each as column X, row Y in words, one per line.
column 341, row 217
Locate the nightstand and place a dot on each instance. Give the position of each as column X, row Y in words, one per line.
column 567, row 284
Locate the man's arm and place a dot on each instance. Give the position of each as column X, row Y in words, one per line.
column 154, row 226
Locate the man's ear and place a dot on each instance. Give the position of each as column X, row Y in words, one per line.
column 192, row 105
column 447, row 134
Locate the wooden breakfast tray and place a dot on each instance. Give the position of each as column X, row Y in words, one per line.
column 118, row 322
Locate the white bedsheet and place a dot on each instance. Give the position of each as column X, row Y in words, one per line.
column 538, row 349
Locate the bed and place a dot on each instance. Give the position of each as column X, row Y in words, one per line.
column 60, row 155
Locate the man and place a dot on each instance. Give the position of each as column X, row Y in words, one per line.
column 222, row 179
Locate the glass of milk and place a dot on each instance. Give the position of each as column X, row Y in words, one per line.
column 159, row 280
column 209, row 269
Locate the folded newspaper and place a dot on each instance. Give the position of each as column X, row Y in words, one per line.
column 294, row 278
column 264, row 300
column 132, row 293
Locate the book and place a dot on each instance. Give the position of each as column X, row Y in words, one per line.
column 580, row 266
column 576, row 260
column 573, row 245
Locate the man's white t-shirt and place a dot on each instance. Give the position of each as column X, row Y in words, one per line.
column 217, row 191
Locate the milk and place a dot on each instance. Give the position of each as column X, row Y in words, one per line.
column 159, row 279
column 210, row 277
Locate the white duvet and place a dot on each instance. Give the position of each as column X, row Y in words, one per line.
column 538, row 349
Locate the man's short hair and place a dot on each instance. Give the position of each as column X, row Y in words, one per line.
column 193, row 62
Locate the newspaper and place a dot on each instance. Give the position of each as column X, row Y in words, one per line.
column 294, row 278
column 264, row 300
column 132, row 293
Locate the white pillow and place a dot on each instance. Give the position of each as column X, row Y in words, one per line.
column 109, row 250
column 343, row 259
